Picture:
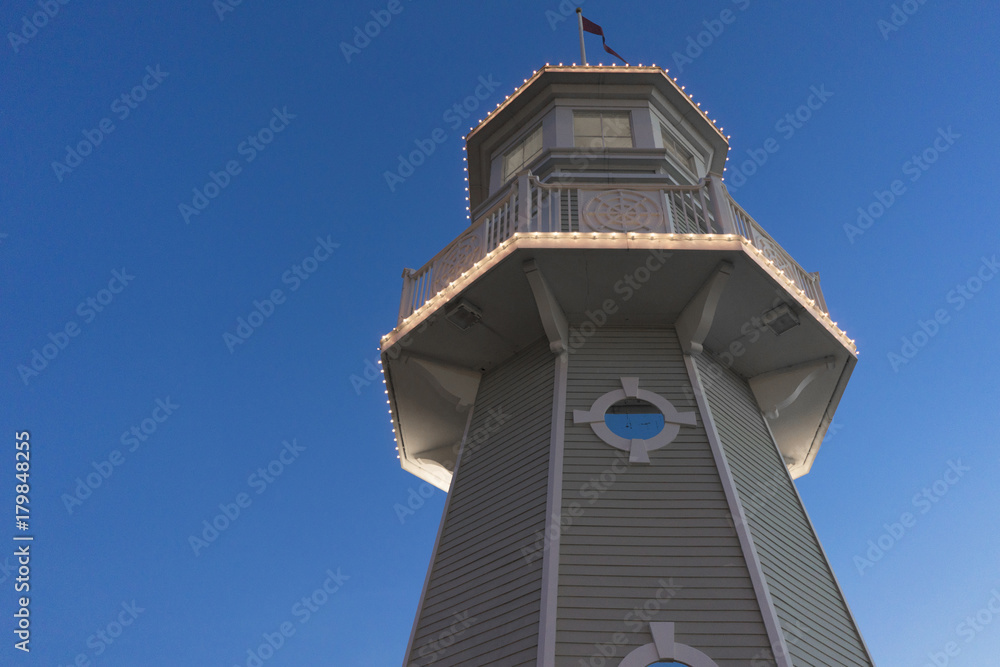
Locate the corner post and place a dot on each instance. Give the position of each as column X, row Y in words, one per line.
column 524, row 201
column 406, row 300
column 720, row 205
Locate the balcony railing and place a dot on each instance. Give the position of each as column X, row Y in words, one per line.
column 705, row 208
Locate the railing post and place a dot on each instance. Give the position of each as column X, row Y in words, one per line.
column 818, row 292
column 720, row 205
column 669, row 209
column 524, row 201
column 406, row 300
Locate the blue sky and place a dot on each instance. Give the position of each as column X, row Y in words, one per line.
column 286, row 136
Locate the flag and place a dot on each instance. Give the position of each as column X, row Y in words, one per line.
column 595, row 29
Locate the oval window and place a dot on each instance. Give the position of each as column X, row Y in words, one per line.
column 634, row 419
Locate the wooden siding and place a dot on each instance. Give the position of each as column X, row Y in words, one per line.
column 483, row 597
column 658, row 536
column 814, row 618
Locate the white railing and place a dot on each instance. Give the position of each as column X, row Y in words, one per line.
column 748, row 228
column 553, row 207
column 490, row 230
column 664, row 209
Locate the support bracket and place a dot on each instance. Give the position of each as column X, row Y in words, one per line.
column 553, row 318
column 776, row 390
column 696, row 319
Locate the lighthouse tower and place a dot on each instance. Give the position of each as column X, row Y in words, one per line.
column 616, row 374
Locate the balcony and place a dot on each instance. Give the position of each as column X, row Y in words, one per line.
column 600, row 214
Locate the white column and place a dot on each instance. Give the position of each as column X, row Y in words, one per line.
column 720, row 205
column 406, row 300
column 524, row 201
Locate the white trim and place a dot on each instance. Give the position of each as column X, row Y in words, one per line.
column 695, row 321
column 776, row 390
column 822, row 551
column 638, row 448
column 437, row 541
column 553, row 509
column 665, row 648
column 553, row 319
column 777, row 637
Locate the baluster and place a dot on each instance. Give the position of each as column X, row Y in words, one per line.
column 524, row 198
column 557, row 195
column 707, row 228
column 538, row 205
column 406, row 299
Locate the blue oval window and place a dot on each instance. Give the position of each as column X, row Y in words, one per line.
column 634, row 419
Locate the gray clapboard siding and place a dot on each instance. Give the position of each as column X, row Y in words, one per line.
column 817, row 625
column 479, row 567
column 667, row 522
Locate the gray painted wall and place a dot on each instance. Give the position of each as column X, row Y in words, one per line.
column 817, row 625
column 483, row 596
column 657, row 535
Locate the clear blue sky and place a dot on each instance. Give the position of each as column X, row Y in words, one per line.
column 135, row 295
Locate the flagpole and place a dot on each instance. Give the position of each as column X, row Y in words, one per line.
column 583, row 52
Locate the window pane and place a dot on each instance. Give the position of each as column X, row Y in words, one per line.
column 677, row 149
column 633, row 419
column 617, row 125
column 512, row 161
column 516, row 156
column 618, row 142
column 587, row 124
column 533, row 144
column 665, row 136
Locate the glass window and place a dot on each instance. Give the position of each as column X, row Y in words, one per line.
column 634, row 419
column 522, row 153
column 602, row 129
column 676, row 148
